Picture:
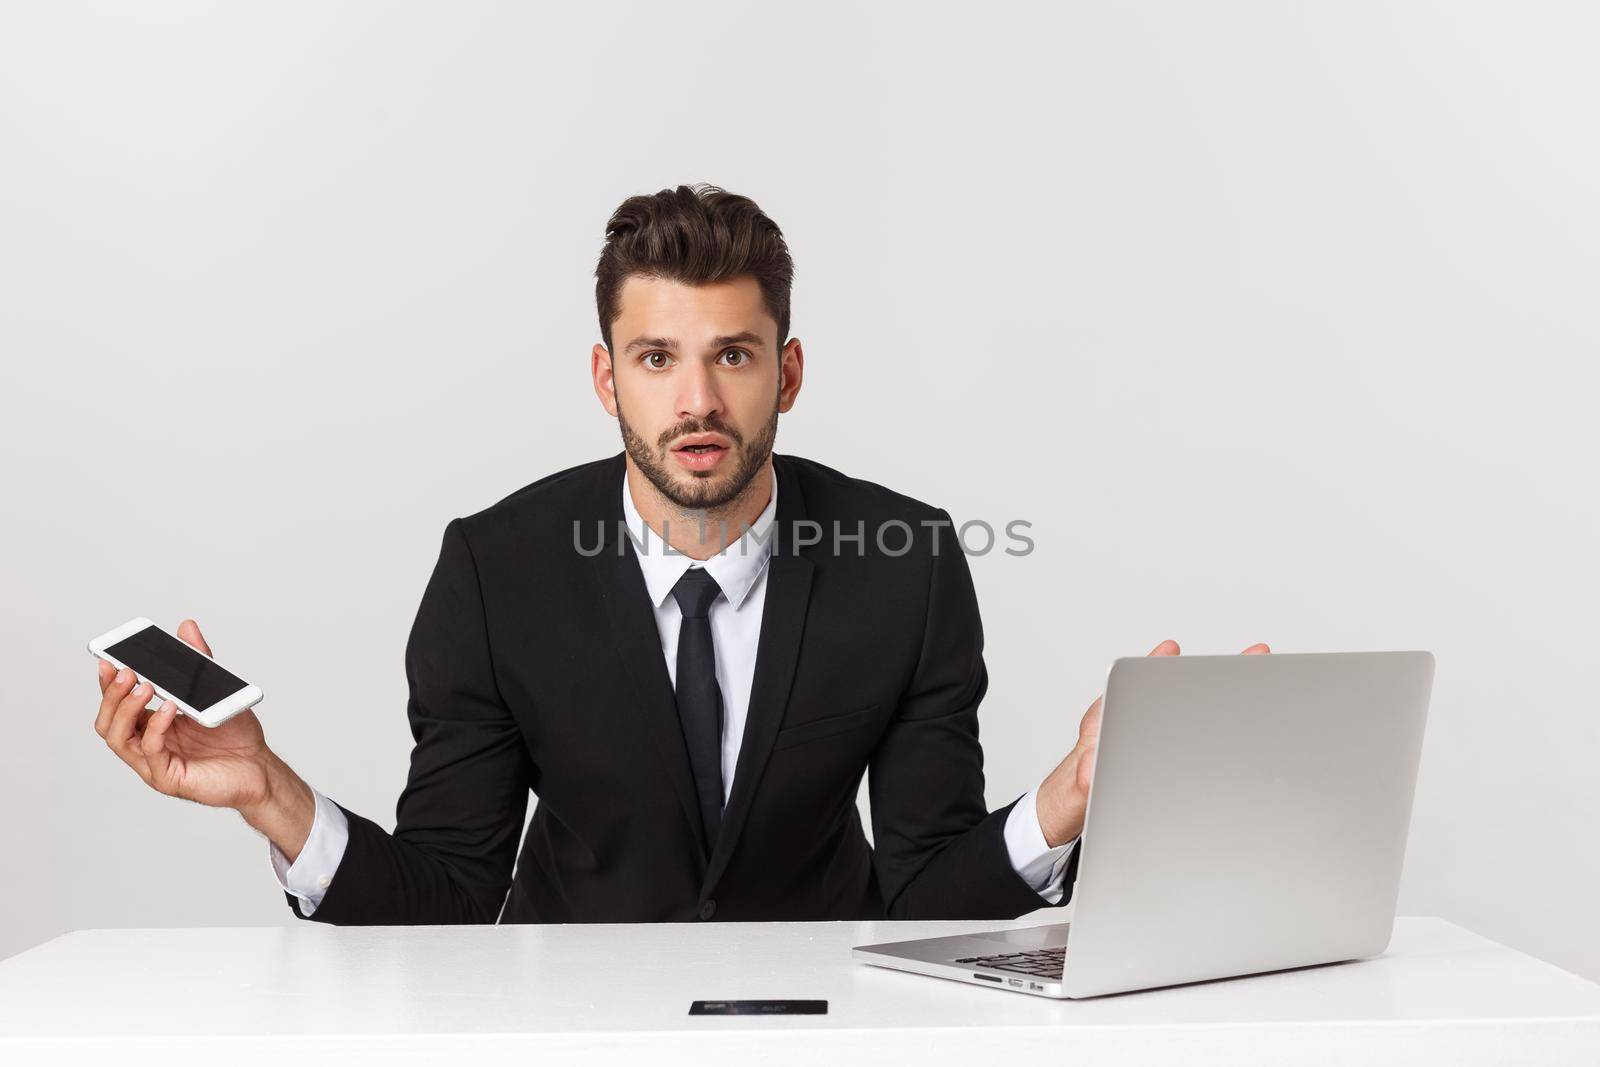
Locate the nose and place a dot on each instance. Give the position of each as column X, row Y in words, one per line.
column 697, row 393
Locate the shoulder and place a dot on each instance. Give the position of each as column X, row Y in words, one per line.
column 545, row 509
column 830, row 493
column 856, row 521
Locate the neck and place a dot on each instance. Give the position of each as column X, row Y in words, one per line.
column 700, row 533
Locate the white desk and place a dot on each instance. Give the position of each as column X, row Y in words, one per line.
column 544, row 994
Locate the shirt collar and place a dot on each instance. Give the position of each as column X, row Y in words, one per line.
column 735, row 568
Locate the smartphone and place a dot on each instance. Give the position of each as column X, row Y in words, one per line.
column 198, row 684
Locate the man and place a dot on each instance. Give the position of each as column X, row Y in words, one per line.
column 690, row 652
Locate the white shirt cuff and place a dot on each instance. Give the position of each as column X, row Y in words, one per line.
column 312, row 872
column 1041, row 866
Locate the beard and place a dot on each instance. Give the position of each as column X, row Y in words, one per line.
column 704, row 492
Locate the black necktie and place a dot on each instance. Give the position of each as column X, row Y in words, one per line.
column 699, row 696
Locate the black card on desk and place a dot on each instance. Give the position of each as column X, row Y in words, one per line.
column 759, row 1007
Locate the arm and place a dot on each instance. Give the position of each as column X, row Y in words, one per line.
column 451, row 855
column 458, row 820
column 940, row 854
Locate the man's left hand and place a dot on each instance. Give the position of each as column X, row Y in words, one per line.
column 1064, row 796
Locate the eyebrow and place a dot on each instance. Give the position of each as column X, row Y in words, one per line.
column 748, row 337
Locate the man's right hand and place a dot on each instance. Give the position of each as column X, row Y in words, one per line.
column 228, row 766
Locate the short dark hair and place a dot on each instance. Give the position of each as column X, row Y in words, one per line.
column 697, row 235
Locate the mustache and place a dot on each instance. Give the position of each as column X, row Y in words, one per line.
column 701, row 426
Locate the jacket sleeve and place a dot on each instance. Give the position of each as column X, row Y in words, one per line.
column 939, row 852
column 458, row 820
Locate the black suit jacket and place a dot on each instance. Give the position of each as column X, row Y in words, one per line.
column 535, row 667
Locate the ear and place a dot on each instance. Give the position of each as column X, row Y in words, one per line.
column 791, row 372
column 605, row 384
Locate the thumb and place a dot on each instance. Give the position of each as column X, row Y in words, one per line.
column 1165, row 648
column 189, row 630
column 1085, row 779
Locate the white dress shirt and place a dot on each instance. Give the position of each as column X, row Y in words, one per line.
column 740, row 571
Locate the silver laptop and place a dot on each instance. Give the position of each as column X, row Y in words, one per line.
column 1249, row 814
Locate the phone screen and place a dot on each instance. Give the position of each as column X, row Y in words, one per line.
column 175, row 667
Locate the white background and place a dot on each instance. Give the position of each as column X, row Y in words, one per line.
column 1277, row 322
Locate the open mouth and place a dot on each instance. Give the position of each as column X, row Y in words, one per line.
column 698, row 444
column 701, row 452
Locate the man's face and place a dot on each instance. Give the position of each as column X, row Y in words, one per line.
column 694, row 381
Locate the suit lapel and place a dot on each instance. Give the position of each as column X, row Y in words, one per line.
column 638, row 642
column 783, row 620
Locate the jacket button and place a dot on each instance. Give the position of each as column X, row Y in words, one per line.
column 708, row 909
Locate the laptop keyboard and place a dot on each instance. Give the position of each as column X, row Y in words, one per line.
column 1040, row 963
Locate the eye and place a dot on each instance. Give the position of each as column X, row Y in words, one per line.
column 739, row 352
column 649, row 360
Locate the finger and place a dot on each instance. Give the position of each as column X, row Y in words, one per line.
column 189, row 630
column 127, row 750
column 111, row 697
column 152, row 744
column 126, row 715
column 1165, row 648
column 106, row 672
column 1258, row 649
